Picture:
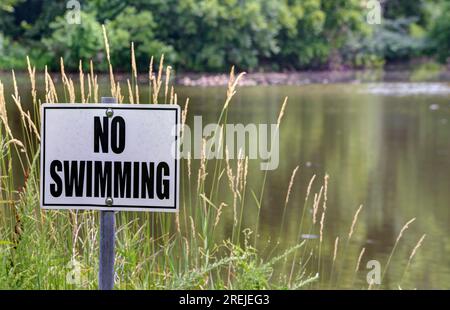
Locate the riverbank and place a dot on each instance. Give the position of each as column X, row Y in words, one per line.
column 315, row 77
column 419, row 74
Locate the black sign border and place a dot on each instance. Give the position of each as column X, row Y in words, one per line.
column 104, row 207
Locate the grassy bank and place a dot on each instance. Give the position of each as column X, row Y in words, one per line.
column 191, row 250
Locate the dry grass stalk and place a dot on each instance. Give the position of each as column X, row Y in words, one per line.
column 202, row 170
column 308, row 190
column 336, row 244
column 177, row 222
column 322, row 222
column 16, row 142
column 47, row 87
column 135, row 73
column 325, row 196
column 291, row 183
column 118, row 94
column 359, row 259
column 111, row 73
column 150, row 78
column 93, row 81
column 395, row 246
column 130, row 92
column 281, row 114
column 173, row 96
column 67, row 82
column 16, row 95
column 316, row 205
column 192, row 226
column 231, row 178
column 157, row 81
column 355, row 219
column 71, row 88
column 231, row 89
column 232, row 182
column 64, row 78
column 89, row 94
column 51, row 95
column 414, row 251
column 80, row 68
column 246, row 169
column 240, row 173
column 184, row 117
column 314, row 199
column 219, row 213
column 3, row 113
column 189, row 165
column 405, row 227
column 53, row 90
column 244, row 175
column 32, row 75
column 133, row 61
column 26, row 118
column 186, row 242
column 166, row 88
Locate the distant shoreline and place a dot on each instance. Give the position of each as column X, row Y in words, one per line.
column 277, row 78
column 313, row 77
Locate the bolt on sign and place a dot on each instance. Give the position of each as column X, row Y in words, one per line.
column 116, row 157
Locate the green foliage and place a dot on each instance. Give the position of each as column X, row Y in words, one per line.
column 306, row 20
column 130, row 26
column 8, row 5
column 251, row 273
column 400, row 38
column 418, row 9
column 12, row 54
column 211, row 35
column 440, row 34
column 393, row 40
column 74, row 41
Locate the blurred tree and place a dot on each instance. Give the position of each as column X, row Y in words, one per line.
column 130, row 26
column 12, row 54
column 211, row 35
column 398, row 9
column 29, row 19
column 8, row 5
column 75, row 41
column 314, row 31
column 7, row 8
column 440, row 34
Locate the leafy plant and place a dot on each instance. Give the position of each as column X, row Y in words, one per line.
column 74, row 42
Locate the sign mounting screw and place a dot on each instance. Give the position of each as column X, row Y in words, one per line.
column 109, row 201
column 109, row 112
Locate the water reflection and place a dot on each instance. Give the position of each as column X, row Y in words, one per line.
column 385, row 151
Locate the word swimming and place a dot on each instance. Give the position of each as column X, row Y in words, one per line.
column 142, row 180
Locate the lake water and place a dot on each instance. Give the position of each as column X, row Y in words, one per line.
column 384, row 145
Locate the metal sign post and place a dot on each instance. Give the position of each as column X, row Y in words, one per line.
column 107, row 238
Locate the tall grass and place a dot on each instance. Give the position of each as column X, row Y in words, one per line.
column 48, row 249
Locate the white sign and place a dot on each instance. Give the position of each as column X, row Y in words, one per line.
column 118, row 157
